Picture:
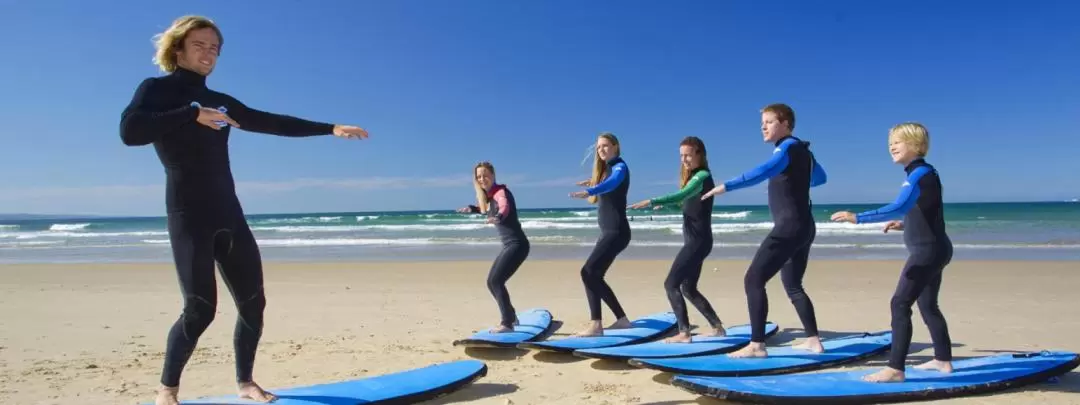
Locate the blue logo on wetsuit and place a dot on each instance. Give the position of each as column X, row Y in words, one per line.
column 221, row 109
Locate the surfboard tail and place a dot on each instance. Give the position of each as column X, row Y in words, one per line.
column 535, row 324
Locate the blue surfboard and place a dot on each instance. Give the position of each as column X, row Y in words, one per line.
column 409, row 386
column 781, row 360
column 737, row 337
column 970, row 376
column 642, row 329
column 532, row 324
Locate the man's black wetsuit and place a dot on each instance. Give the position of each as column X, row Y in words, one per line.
column 205, row 220
column 503, row 207
column 929, row 251
column 614, row 238
column 791, row 172
column 682, row 279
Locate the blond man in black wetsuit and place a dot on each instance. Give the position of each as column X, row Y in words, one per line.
column 189, row 126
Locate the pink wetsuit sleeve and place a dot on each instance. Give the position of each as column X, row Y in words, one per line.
column 504, row 204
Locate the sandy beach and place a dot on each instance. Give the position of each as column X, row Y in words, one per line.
column 95, row 333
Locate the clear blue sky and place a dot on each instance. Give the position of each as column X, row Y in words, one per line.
column 528, row 85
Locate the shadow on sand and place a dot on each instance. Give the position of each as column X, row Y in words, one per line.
column 475, row 391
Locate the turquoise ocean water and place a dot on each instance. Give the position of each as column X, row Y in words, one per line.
column 1029, row 231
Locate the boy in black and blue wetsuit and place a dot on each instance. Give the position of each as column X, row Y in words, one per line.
column 498, row 203
column 791, row 172
column 929, row 248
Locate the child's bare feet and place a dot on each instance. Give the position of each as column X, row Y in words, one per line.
column 887, row 374
column 252, row 391
column 754, row 349
column 812, row 344
column 682, row 337
column 167, row 396
column 594, row 329
column 718, row 331
column 942, row 366
column 621, row 323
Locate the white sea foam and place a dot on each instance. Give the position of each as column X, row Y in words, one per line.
column 68, row 227
column 80, row 235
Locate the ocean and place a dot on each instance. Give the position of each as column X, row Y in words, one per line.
column 994, row 231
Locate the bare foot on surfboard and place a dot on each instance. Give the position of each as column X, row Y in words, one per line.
column 887, row 374
column 594, row 329
column 718, row 331
column 252, row 391
column 167, row 396
column 621, row 323
column 501, row 329
column 682, row 337
column 812, row 344
column 751, row 350
column 942, row 366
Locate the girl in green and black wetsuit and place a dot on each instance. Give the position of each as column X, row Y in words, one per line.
column 697, row 236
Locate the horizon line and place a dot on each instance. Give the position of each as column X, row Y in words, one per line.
column 79, row 216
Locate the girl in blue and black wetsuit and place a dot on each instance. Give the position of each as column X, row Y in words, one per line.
column 610, row 184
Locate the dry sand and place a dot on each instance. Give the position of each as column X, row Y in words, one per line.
column 95, row 334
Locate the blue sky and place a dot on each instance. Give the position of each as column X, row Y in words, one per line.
column 528, row 85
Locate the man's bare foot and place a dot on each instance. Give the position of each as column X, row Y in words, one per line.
column 594, row 329
column 887, row 374
column 751, row 350
column 167, row 396
column 621, row 323
column 812, row 344
column 501, row 329
column 942, row 366
column 252, row 391
column 682, row 337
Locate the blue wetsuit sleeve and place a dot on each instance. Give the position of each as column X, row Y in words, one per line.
column 141, row 123
column 909, row 194
column 618, row 174
column 818, row 175
column 776, row 164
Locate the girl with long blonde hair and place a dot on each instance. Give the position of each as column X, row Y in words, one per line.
column 498, row 203
column 609, row 185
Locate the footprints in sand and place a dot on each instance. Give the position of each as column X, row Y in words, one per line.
column 608, row 391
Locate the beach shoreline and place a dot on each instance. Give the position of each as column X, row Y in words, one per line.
column 995, row 231
column 375, row 253
column 95, row 333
